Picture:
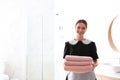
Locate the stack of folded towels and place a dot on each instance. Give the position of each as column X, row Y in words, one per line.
column 78, row 64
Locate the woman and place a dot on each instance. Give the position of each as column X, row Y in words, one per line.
column 81, row 46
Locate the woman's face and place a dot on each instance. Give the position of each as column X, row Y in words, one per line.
column 80, row 29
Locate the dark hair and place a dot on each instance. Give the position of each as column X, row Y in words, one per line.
column 82, row 21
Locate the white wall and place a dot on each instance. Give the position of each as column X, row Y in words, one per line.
column 40, row 41
column 25, row 26
column 13, row 37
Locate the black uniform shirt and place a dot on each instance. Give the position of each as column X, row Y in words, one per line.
column 81, row 48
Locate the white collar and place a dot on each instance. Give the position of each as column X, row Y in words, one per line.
column 85, row 41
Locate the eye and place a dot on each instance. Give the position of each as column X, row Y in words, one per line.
column 83, row 28
column 78, row 27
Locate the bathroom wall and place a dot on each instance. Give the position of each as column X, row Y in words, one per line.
column 26, row 43
column 13, row 38
column 40, row 40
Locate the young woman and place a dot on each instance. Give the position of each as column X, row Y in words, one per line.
column 81, row 46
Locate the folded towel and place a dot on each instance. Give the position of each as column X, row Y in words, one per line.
column 79, row 69
column 78, row 58
column 74, row 63
column 78, row 64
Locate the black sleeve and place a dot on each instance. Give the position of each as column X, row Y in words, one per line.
column 94, row 54
column 66, row 49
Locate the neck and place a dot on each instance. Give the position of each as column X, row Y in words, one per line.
column 80, row 38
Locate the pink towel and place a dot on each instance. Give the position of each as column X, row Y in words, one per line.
column 79, row 69
column 74, row 63
column 78, row 64
column 78, row 58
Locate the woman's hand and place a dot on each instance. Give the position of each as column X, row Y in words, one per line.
column 95, row 64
